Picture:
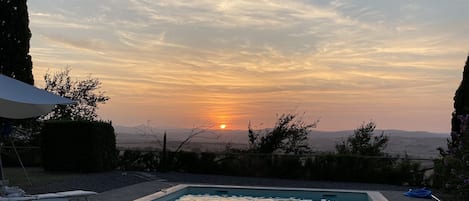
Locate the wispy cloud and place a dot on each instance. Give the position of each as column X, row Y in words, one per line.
column 252, row 59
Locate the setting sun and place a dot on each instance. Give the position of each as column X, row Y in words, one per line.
column 241, row 61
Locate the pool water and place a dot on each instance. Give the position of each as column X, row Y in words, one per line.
column 234, row 198
column 243, row 193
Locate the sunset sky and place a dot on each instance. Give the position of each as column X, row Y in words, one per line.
column 180, row 64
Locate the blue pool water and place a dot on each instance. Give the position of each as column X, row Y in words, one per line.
column 239, row 193
column 234, row 198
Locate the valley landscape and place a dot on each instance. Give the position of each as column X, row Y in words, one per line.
column 417, row 144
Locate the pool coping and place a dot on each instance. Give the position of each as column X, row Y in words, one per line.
column 374, row 195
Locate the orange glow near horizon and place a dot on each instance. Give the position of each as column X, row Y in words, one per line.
column 218, row 65
column 222, row 126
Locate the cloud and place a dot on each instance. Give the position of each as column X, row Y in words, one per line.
column 235, row 14
column 254, row 57
column 48, row 20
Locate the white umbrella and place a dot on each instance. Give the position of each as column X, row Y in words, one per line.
column 19, row 100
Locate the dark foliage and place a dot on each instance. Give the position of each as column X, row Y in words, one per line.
column 81, row 146
column 15, row 35
column 362, row 142
column 30, row 156
column 138, row 160
column 15, row 60
column 461, row 98
column 24, row 132
column 81, row 91
column 330, row 167
column 452, row 169
column 289, row 135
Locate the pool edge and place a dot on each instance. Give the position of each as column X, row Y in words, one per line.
column 374, row 195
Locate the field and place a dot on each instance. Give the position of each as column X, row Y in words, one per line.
column 416, row 144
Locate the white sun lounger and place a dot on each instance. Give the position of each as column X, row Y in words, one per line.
column 24, row 198
column 50, row 197
column 53, row 199
column 33, row 198
column 76, row 195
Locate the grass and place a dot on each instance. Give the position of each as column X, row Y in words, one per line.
column 37, row 175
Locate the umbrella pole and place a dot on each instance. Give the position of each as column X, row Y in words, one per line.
column 21, row 162
column 2, row 175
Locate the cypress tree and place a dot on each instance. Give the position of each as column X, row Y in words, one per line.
column 15, row 60
column 461, row 99
column 452, row 170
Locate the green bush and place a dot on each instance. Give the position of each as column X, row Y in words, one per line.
column 30, row 156
column 452, row 169
column 83, row 146
column 185, row 161
column 286, row 166
column 363, row 169
column 138, row 160
column 410, row 172
column 207, row 163
column 330, row 166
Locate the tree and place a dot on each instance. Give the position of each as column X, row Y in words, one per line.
column 196, row 131
column 289, row 135
column 81, row 91
column 459, row 120
column 362, row 142
column 452, row 169
column 15, row 60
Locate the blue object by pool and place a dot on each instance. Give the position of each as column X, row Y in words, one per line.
column 419, row 193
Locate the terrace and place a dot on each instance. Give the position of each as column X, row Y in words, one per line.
column 125, row 186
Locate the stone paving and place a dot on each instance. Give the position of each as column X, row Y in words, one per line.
column 128, row 186
column 99, row 182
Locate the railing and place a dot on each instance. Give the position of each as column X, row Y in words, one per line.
column 317, row 166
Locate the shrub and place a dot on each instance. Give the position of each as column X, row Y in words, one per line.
column 289, row 135
column 30, row 156
column 138, row 160
column 364, row 142
column 82, row 146
column 329, row 166
column 452, row 170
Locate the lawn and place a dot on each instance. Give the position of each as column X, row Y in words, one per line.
column 37, row 176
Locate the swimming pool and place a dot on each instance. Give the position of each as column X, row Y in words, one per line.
column 231, row 193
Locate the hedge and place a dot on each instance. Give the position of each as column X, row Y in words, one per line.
column 332, row 167
column 81, row 146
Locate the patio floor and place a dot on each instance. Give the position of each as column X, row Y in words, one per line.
column 158, row 181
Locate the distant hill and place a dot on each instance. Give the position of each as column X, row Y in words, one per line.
column 415, row 143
